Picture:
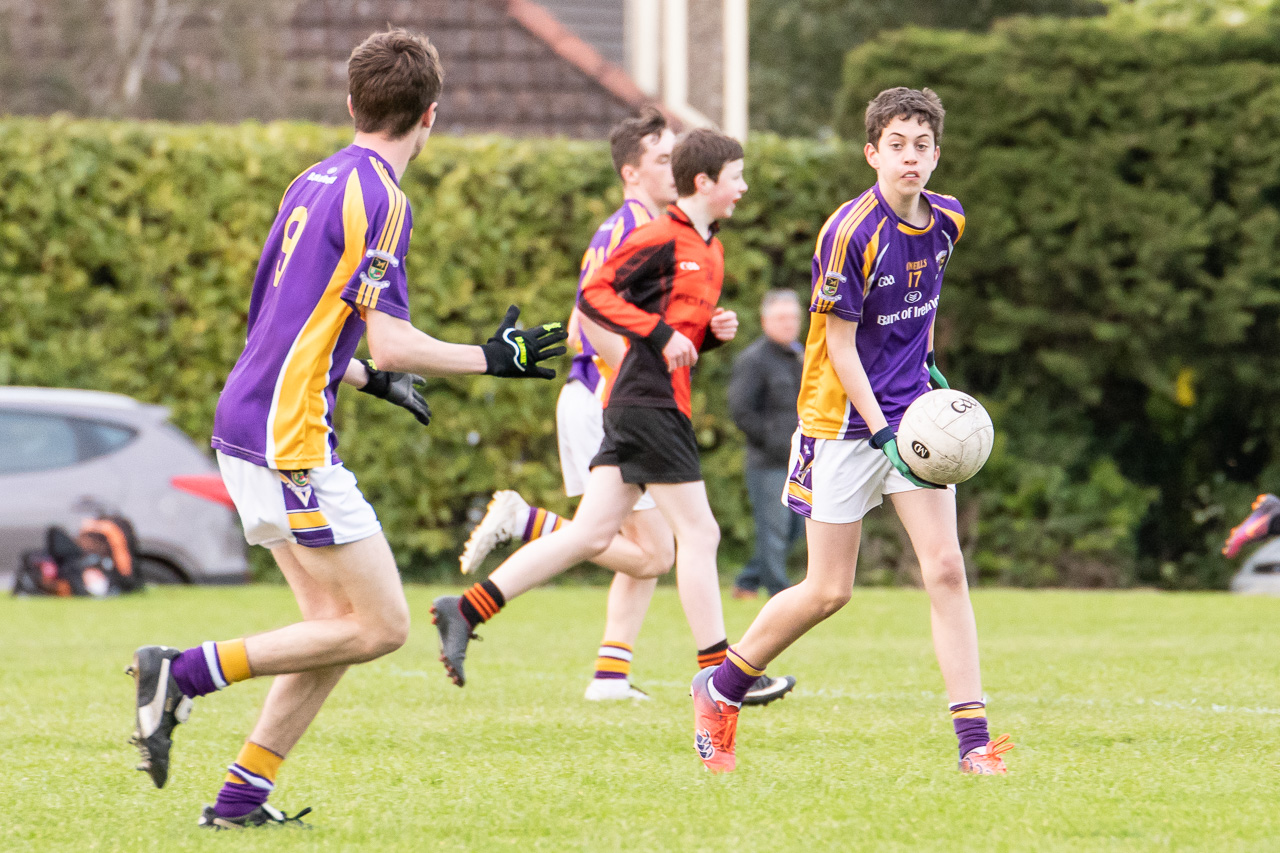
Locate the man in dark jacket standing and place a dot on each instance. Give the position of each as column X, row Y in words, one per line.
column 762, row 400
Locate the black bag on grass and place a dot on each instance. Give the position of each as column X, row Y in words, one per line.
column 101, row 561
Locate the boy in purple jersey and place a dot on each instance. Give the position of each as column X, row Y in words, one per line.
column 645, row 547
column 877, row 275
column 332, row 267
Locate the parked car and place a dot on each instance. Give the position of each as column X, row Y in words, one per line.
column 1260, row 574
column 67, row 454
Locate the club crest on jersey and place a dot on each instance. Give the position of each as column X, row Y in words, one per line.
column 299, row 482
column 378, row 269
column 831, row 284
column 942, row 258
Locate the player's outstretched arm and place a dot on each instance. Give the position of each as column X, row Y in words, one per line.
column 396, row 345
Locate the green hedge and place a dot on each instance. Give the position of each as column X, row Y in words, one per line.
column 1114, row 302
column 1117, row 291
column 127, row 252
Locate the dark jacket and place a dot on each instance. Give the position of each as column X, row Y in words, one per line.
column 762, row 400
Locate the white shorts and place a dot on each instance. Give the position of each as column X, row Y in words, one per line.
column 322, row 506
column 579, row 431
column 838, row 481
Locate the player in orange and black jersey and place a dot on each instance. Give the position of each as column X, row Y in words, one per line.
column 659, row 289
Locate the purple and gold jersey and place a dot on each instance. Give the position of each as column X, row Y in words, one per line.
column 608, row 237
column 873, row 269
column 336, row 250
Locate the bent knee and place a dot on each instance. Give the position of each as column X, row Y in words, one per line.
column 823, row 601
column 386, row 636
column 829, row 601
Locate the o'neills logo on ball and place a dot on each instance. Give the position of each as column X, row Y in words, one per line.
column 920, row 450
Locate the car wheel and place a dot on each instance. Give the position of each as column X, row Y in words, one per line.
column 158, row 572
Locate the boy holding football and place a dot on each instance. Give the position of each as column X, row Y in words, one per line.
column 866, row 360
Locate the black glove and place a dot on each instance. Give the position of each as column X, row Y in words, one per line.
column 516, row 352
column 397, row 388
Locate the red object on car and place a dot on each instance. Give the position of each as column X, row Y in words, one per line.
column 207, row 486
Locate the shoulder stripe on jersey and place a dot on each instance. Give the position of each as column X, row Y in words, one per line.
column 639, row 212
column 957, row 218
column 615, row 238
column 395, row 218
column 871, row 256
column 390, row 237
column 845, row 234
column 826, row 226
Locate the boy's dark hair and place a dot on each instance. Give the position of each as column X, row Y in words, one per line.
column 394, row 78
column 904, row 103
column 626, row 140
column 702, row 152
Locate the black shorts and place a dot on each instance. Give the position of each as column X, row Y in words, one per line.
column 649, row 445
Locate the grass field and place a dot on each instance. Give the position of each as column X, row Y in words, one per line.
column 1143, row 721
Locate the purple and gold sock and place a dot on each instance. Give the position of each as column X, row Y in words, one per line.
column 481, row 603
column 613, row 660
column 211, row 666
column 712, row 655
column 540, row 523
column 733, row 678
column 249, row 781
column 970, row 720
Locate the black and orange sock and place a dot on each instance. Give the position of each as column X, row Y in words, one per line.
column 481, row 603
column 713, row 655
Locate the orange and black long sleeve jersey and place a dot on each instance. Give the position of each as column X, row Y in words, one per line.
column 664, row 279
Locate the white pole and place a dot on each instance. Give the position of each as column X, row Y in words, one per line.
column 675, row 53
column 735, row 68
column 644, row 44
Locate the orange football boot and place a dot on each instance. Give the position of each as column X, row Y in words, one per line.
column 715, row 726
column 986, row 760
column 1254, row 527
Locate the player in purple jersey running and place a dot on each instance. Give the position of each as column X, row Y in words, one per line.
column 333, row 268
column 645, row 548
column 877, row 275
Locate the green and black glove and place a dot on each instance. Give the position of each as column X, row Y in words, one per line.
column 935, row 375
column 516, row 352
column 397, row 388
column 886, row 441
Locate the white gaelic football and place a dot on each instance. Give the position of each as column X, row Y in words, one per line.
column 945, row 436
